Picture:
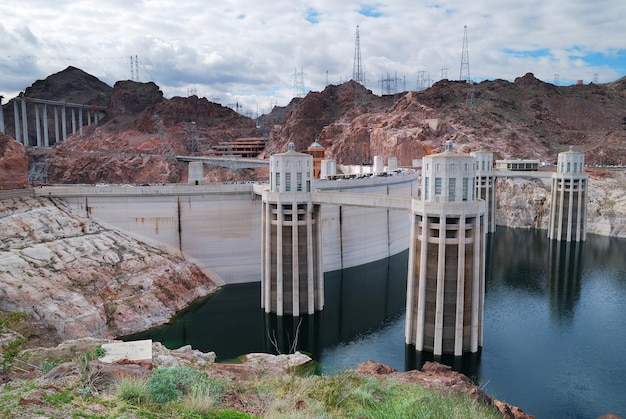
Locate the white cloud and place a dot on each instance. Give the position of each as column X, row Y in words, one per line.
column 246, row 50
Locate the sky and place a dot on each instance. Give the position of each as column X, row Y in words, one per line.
column 255, row 54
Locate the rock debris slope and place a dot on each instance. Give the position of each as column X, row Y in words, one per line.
column 78, row 278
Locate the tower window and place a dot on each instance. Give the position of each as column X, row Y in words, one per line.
column 288, row 182
column 465, row 188
column 451, row 189
column 299, row 182
column 437, row 186
column 426, row 188
column 277, row 180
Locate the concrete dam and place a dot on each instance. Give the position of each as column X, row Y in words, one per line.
column 219, row 225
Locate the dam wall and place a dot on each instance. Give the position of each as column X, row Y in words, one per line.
column 219, row 225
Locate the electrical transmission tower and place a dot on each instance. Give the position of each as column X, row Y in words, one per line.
column 465, row 71
column 357, row 68
column 389, row 85
column 134, row 68
column 298, row 83
column 421, row 80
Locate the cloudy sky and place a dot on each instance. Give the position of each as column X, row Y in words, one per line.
column 254, row 52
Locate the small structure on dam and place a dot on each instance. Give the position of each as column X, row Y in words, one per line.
column 446, row 273
column 292, row 277
column 568, row 212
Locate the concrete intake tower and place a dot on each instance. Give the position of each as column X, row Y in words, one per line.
column 568, row 212
column 292, row 276
column 446, row 273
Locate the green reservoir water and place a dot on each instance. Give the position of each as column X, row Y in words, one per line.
column 554, row 331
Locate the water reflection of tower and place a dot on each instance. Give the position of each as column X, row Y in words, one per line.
column 564, row 277
column 446, row 275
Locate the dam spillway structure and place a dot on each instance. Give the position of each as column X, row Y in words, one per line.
column 486, row 185
column 446, row 272
column 568, row 211
column 292, row 278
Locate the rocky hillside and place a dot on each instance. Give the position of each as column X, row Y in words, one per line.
column 526, row 118
column 13, row 164
column 78, row 278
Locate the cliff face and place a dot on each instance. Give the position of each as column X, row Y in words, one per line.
column 13, row 164
column 78, row 278
column 525, row 203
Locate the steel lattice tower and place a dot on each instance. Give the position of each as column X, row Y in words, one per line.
column 357, row 69
column 465, row 71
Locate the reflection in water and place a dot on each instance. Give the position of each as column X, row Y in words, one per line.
column 231, row 322
column 554, row 332
column 565, row 261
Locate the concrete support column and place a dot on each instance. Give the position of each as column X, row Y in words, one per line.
column 38, row 125
column 266, row 234
column 295, row 268
column 25, row 124
column 460, row 291
column 310, row 263
column 73, row 112
column 64, row 122
column 46, row 137
column 279, row 259
column 88, row 118
column 319, row 262
column 421, row 291
column 56, row 125
column 16, row 117
column 441, row 274
column 477, row 284
column 80, row 121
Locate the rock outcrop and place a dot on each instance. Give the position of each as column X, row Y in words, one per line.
column 441, row 378
column 13, row 164
column 525, row 203
column 78, row 278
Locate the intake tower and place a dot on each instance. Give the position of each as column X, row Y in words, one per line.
column 446, row 273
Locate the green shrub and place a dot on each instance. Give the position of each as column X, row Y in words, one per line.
column 133, row 390
column 167, row 384
column 47, row 366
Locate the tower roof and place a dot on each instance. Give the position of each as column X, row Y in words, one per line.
column 291, row 151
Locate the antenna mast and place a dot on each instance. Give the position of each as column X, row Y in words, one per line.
column 357, row 68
